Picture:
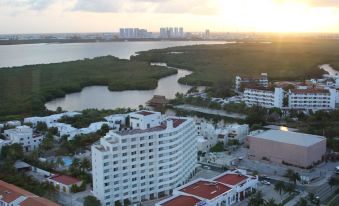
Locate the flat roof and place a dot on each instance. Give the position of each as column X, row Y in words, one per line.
column 145, row 113
column 231, row 179
column 288, row 137
column 206, row 189
column 182, row 200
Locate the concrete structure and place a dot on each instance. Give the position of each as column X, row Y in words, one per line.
column 306, row 98
column 24, row 135
column 297, row 149
column 264, row 97
column 232, row 132
column 226, row 189
column 49, row 119
column 13, row 123
column 145, row 161
column 11, row 195
column 261, row 80
column 64, row 182
column 207, row 137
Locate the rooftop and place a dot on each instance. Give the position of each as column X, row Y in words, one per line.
column 231, row 179
column 206, row 189
column 294, row 138
column 145, row 113
column 182, row 200
column 64, row 179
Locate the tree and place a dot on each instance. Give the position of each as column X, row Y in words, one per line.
column 302, row 202
column 60, row 161
column 257, row 199
column 333, row 181
column 91, row 201
column 12, row 152
column 41, row 127
column 117, row 203
column 279, row 186
column 271, row 202
column 74, row 188
column 292, row 176
column 127, row 202
column 85, row 164
column 104, row 129
column 289, row 188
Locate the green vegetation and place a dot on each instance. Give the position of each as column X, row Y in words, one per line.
column 283, row 59
column 24, row 90
column 219, row 147
column 91, row 201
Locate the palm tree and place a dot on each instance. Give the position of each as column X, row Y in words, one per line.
column 302, row 202
column 271, row 202
column 279, row 186
column 292, row 176
column 257, row 199
column 290, row 188
column 85, row 164
column 59, row 161
column 333, row 181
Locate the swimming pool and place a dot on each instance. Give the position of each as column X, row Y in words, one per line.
column 67, row 161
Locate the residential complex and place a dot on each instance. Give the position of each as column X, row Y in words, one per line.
column 11, row 195
column 146, row 160
column 23, row 135
column 130, row 33
column 261, row 80
column 309, row 98
column 172, row 32
column 291, row 148
column 226, row 189
column 264, row 97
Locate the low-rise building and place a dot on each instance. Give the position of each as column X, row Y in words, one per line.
column 310, row 98
column 11, row 195
column 264, row 97
column 261, row 80
column 232, row 132
column 64, row 183
column 24, row 135
column 291, row 148
column 207, row 137
column 226, row 189
column 13, row 123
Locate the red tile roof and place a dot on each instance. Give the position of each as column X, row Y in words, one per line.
column 10, row 193
column 206, row 189
column 37, row 201
column 231, row 179
column 145, row 113
column 64, row 179
column 182, row 200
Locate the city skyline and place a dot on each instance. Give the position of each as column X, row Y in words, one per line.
column 74, row 16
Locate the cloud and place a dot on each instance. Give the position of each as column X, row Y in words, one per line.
column 200, row 7
column 29, row 4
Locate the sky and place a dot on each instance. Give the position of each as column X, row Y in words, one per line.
column 61, row 16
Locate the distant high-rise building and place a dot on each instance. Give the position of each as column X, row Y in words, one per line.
column 171, row 32
column 126, row 33
column 207, row 33
column 181, row 32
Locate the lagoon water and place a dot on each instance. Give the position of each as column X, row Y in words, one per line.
column 26, row 54
column 97, row 96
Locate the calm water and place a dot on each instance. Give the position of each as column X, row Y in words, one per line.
column 101, row 98
column 97, row 96
column 25, row 54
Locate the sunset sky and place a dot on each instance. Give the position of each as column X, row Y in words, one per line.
column 49, row 16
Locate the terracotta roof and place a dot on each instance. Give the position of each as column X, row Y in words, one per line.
column 9, row 193
column 206, row 189
column 37, row 201
column 309, row 91
column 231, row 179
column 64, row 179
column 182, row 200
column 144, row 113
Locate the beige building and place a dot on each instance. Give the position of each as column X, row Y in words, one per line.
column 292, row 148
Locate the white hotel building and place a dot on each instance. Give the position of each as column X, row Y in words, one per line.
column 264, row 97
column 146, row 161
column 305, row 98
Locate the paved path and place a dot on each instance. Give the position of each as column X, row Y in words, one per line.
column 188, row 107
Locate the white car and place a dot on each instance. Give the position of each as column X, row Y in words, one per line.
column 265, row 182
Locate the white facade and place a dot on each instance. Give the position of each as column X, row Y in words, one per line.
column 264, row 98
column 145, row 119
column 312, row 99
column 13, row 123
column 207, row 137
column 140, row 164
column 24, row 135
column 49, row 119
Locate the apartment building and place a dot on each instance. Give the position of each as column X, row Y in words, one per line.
column 310, row 98
column 261, row 80
column 264, row 97
column 226, row 189
column 147, row 160
column 24, row 135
